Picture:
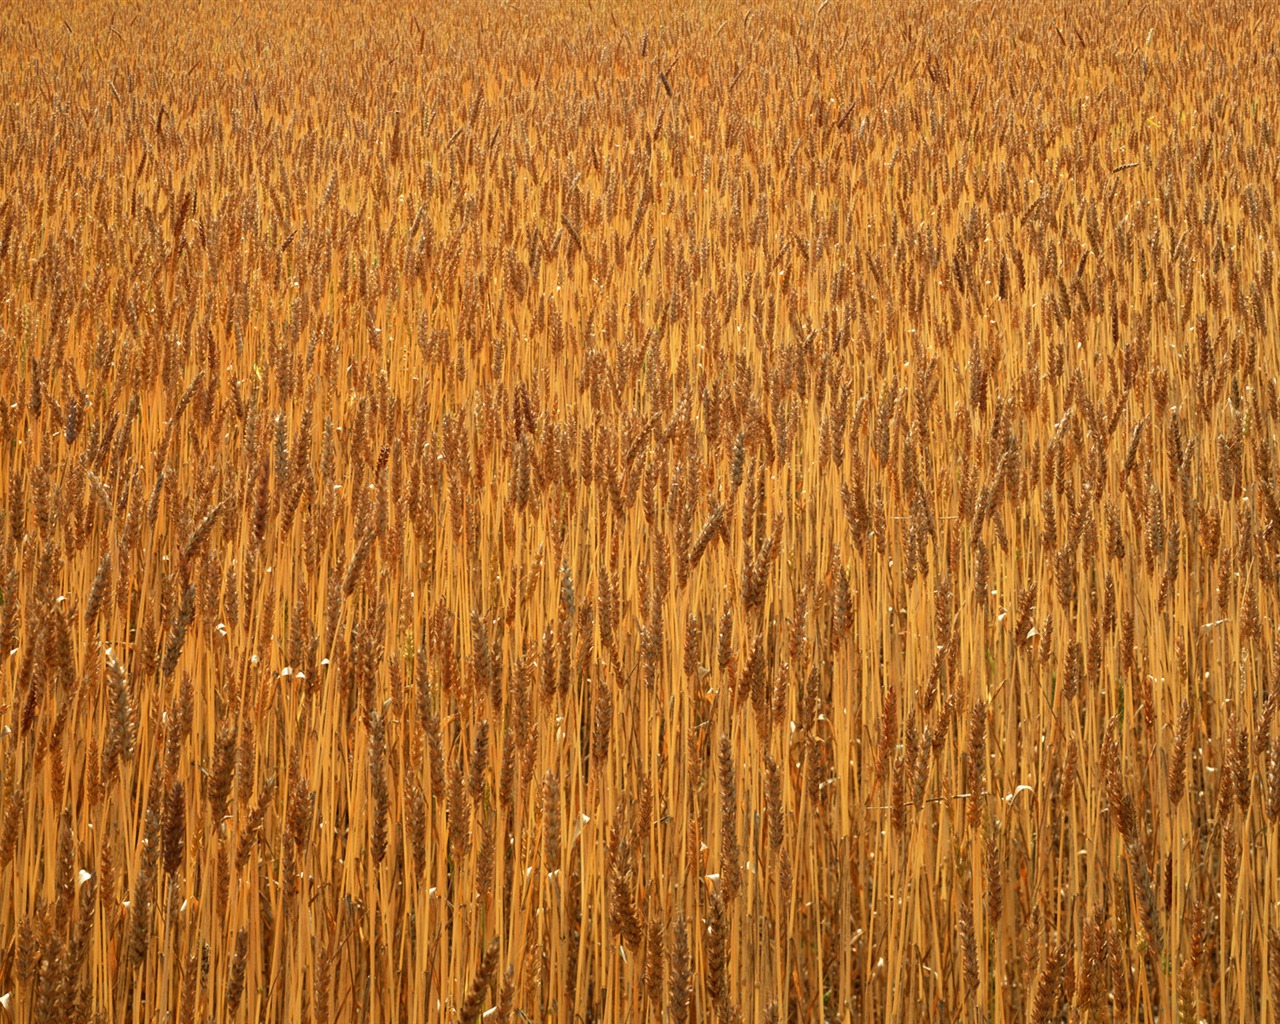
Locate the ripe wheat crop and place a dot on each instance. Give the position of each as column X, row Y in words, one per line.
column 563, row 512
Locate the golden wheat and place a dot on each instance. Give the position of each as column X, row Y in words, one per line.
column 566, row 512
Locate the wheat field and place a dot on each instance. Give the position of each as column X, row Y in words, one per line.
column 602, row 512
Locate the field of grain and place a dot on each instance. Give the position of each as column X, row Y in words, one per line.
column 564, row 512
